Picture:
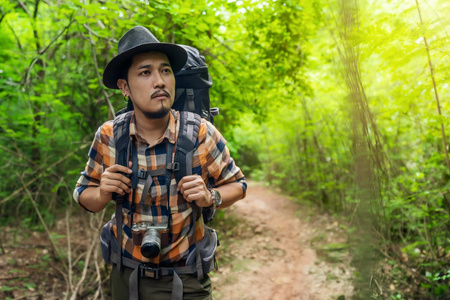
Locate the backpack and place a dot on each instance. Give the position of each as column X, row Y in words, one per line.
column 192, row 84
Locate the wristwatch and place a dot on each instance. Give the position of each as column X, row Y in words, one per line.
column 217, row 199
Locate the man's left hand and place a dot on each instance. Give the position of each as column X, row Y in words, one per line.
column 193, row 188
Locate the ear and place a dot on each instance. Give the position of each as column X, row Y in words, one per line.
column 123, row 86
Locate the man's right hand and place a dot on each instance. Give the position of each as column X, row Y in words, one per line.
column 112, row 181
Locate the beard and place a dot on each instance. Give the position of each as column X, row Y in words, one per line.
column 161, row 113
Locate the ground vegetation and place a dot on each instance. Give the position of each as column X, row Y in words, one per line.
column 338, row 103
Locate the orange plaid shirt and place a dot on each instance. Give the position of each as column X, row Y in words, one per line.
column 211, row 160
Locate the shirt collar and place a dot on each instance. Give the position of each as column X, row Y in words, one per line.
column 169, row 134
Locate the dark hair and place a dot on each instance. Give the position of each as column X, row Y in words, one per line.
column 124, row 75
column 125, row 68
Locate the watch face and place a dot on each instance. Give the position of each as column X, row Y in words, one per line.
column 217, row 198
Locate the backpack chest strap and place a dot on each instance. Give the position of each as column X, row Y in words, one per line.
column 142, row 174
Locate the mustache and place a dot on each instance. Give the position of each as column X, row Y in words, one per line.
column 159, row 92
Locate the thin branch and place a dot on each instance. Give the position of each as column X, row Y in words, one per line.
column 9, row 277
column 33, row 202
column 42, row 171
column 24, row 7
column 380, row 289
column 26, row 79
column 169, row 20
column 230, row 49
column 99, row 277
column 403, row 267
column 427, row 238
column 15, row 36
column 99, row 77
column 69, row 249
column 92, row 248
column 2, row 17
column 111, row 40
column 36, row 7
column 444, row 139
column 62, row 272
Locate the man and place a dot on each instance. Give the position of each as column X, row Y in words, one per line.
column 144, row 72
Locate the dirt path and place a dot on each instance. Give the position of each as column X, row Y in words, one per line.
column 270, row 255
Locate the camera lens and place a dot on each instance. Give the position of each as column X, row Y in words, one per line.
column 151, row 243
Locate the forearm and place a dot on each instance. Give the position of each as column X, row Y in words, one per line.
column 231, row 193
column 90, row 199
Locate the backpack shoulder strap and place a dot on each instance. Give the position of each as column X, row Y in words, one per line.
column 123, row 147
column 186, row 142
column 121, row 132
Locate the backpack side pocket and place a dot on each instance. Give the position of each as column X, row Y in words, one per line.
column 107, row 239
column 208, row 246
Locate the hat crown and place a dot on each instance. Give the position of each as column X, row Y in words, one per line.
column 135, row 37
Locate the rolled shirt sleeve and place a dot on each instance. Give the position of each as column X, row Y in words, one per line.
column 99, row 158
column 215, row 159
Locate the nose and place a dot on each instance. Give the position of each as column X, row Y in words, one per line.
column 158, row 81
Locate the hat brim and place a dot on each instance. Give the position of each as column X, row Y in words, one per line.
column 176, row 54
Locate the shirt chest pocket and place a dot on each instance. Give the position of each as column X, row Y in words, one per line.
column 157, row 198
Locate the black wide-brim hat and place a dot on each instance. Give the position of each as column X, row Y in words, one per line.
column 137, row 40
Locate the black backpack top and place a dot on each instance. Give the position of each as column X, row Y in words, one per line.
column 192, row 86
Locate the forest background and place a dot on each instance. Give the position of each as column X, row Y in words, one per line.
column 340, row 103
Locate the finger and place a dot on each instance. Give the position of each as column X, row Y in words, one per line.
column 187, row 192
column 111, row 185
column 187, row 178
column 189, row 181
column 115, row 187
column 118, row 168
column 116, row 176
column 194, row 197
column 191, row 188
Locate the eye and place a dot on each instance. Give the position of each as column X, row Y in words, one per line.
column 145, row 72
column 167, row 71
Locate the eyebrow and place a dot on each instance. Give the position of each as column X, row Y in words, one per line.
column 164, row 64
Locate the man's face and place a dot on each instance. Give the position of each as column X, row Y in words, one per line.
column 151, row 84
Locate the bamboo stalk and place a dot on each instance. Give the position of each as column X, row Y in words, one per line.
column 444, row 139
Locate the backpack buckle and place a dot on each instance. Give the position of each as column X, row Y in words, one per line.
column 142, row 174
column 190, row 94
column 175, row 166
column 148, row 272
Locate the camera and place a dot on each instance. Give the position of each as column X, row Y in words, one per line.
column 148, row 236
